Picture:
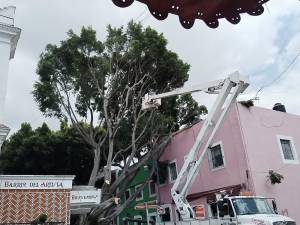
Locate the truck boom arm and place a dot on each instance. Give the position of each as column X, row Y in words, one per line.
column 228, row 90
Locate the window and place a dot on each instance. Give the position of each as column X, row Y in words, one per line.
column 162, row 180
column 127, row 194
column 152, row 217
column 225, row 208
column 140, row 195
column 172, row 171
column 247, row 206
column 166, row 217
column 162, row 172
column 137, row 217
column 216, row 156
column 213, row 213
column 152, row 188
column 288, row 151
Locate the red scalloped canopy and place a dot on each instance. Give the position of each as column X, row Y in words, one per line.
column 210, row 11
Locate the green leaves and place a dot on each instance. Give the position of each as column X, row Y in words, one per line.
column 78, row 73
column 64, row 74
column 42, row 151
column 189, row 110
column 98, row 86
column 274, row 177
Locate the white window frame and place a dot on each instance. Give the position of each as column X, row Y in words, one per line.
column 294, row 151
column 141, row 198
column 137, row 217
column 153, row 214
column 169, row 172
column 149, row 186
column 125, row 194
column 210, row 157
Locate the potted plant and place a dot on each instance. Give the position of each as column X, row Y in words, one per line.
column 274, row 177
column 40, row 220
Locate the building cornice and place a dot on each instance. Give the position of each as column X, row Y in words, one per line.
column 37, row 177
column 36, row 182
column 14, row 35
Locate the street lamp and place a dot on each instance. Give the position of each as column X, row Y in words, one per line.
column 4, row 130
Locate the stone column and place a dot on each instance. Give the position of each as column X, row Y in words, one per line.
column 9, row 36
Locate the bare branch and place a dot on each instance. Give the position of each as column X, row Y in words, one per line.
column 75, row 124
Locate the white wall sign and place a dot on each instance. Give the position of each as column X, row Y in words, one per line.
column 22, row 182
column 86, row 197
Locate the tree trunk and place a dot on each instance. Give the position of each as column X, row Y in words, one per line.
column 96, row 165
column 92, row 180
column 107, row 169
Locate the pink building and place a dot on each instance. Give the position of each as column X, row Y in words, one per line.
column 251, row 142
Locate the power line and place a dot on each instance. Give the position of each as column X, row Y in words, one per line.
column 141, row 14
column 268, row 9
column 292, row 63
column 145, row 18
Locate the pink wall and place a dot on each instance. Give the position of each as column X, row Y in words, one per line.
column 249, row 138
column 234, row 172
column 260, row 129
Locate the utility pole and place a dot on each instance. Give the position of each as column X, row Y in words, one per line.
column 9, row 36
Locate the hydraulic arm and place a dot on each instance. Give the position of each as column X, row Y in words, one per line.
column 227, row 89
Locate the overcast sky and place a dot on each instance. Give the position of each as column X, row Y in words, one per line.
column 260, row 47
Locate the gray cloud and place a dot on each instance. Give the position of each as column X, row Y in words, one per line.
column 249, row 47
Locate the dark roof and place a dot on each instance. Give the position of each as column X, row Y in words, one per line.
column 210, row 11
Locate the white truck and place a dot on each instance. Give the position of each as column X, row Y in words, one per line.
column 231, row 210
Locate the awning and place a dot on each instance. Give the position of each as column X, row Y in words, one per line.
column 210, row 11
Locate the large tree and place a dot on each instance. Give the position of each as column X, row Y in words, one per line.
column 99, row 86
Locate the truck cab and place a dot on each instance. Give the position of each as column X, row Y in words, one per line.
column 248, row 210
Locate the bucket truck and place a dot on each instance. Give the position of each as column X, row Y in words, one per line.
column 243, row 210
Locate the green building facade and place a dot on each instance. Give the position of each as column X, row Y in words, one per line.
column 148, row 195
